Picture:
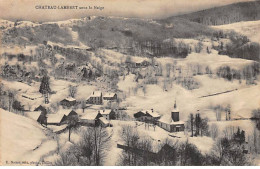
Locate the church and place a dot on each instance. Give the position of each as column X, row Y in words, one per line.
column 172, row 123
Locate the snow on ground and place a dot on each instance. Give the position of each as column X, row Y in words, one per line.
column 214, row 60
column 204, row 144
column 20, row 136
column 247, row 28
column 127, row 83
column 189, row 101
column 214, row 85
column 242, row 101
column 247, row 125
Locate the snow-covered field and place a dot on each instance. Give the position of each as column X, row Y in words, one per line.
column 22, row 139
column 190, row 101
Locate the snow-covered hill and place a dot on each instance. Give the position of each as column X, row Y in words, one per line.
column 247, row 28
column 22, row 139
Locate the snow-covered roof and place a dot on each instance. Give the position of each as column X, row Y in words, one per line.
column 153, row 113
column 105, row 111
column 55, row 118
column 90, row 115
column 96, row 94
column 109, row 94
column 33, row 114
column 103, row 120
column 65, row 111
column 71, row 99
column 168, row 120
column 177, row 122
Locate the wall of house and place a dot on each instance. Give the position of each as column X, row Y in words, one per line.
column 87, row 122
column 95, row 100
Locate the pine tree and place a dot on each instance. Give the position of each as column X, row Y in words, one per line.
column 45, row 87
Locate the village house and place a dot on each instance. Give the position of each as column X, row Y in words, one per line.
column 95, row 98
column 103, row 122
column 91, row 118
column 108, row 114
column 110, row 96
column 68, row 102
column 68, row 113
column 37, row 116
column 56, row 119
column 147, row 116
column 173, row 123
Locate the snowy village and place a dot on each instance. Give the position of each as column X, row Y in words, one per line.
column 115, row 91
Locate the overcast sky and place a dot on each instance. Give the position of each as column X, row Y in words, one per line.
column 26, row 9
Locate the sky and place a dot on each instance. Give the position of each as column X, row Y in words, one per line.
column 154, row 9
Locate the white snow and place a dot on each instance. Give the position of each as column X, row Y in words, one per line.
column 247, row 28
column 20, row 136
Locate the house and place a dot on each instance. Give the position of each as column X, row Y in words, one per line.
column 173, row 123
column 37, row 116
column 56, row 119
column 108, row 114
column 103, row 122
column 110, row 96
column 68, row 102
column 147, row 116
column 95, row 98
column 68, row 112
column 42, row 109
column 91, row 118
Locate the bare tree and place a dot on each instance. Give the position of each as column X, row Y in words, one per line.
column 66, row 159
column 83, row 105
column 100, row 140
column 214, row 131
column 72, row 91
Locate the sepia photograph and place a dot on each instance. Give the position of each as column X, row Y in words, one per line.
column 130, row 83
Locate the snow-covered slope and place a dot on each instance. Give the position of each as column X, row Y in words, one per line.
column 249, row 29
column 22, row 139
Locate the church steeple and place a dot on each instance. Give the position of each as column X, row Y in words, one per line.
column 175, row 112
column 175, row 105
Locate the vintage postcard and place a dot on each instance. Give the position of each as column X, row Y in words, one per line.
column 129, row 83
